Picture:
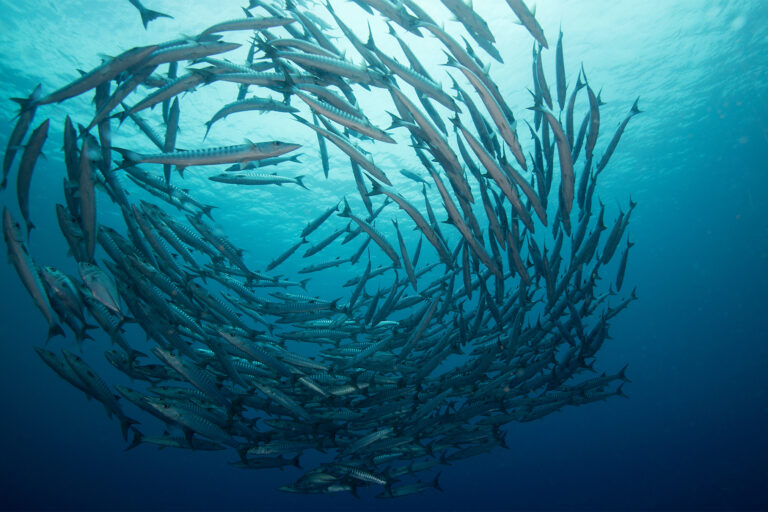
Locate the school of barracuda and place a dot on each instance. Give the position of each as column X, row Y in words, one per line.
column 377, row 401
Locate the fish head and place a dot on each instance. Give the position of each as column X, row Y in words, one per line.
column 275, row 147
column 87, row 270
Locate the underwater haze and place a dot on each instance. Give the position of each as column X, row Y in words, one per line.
column 691, row 433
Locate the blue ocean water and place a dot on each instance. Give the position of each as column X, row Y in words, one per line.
column 692, row 433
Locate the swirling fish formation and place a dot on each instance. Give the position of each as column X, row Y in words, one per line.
column 486, row 327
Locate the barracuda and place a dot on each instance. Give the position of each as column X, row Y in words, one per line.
column 241, row 153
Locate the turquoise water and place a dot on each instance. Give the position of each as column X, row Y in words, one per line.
column 690, row 434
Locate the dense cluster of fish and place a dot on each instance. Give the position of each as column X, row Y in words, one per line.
column 490, row 325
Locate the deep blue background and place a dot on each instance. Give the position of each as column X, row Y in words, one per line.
column 692, row 435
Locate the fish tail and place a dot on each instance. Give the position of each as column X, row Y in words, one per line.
column 30, row 227
column 236, row 407
column 451, row 61
column 346, row 212
column 635, row 109
column 208, row 125
column 295, row 462
column 242, row 453
column 148, row 15
column 137, row 438
column 396, row 121
column 300, row 181
column 83, row 334
column 3, row 183
column 436, row 482
column 620, row 392
column 303, row 283
column 600, row 101
column 130, row 156
column 207, row 210
column 22, row 102
column 54, row 330
column 375, row 188
column 579, row 82
column 125, row 424
column 370, row 44
column 622, row 374
column 269, row 50
column 584, row 74
column 208, row 77
column 502, row 439
column 133, row 354
column 120, row 116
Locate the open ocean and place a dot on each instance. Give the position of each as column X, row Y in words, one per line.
column 692, row 433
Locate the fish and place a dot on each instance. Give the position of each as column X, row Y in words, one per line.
column 406, row 258
column 171, row 130
column 240, row 153
column 121, row 92
column 187, row 49
column 496, row 174
column 182, row 84
column 541, row 81
column 594, row 122
column 27, row 106
column 332, row 65
column 360, row 47
column 250, row 23
column 385, row 360
column 25, row 267
column 347, row 147
column 359, row 124
column 325, row 242
column 32, row 152
column 429, row 232
column 569, row 111
column 101, row 286
column 566, row 164
column 415, row 177
column 248, row 178
column 284, row 256
column 395, row 11
column 246, row 105
column 147, row 15
column 312, row 28
column 420, row 82
column 560, row 71
column 528, row 19
column 103, row 73
column 617, row 136
column 497, row 114
column 87, row 202
column 437, row 144
column 66, row 301
column 371, row 231
column 623, row 266
column 98, row 389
